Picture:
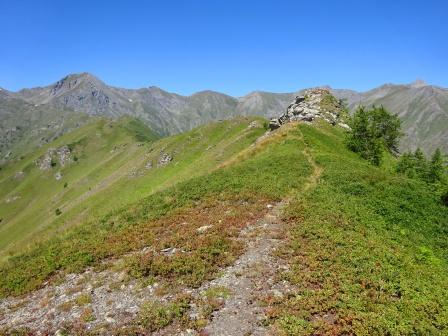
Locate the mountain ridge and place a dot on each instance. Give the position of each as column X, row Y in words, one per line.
column 422, row 108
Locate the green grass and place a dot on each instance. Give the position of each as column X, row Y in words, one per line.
column 368, row 251
column 109, row 173
column 248, row 185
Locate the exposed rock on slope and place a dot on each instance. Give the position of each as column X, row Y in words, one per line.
column 47, row 161
column 316, row 103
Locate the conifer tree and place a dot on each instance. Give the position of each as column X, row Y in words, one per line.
column 437, row 168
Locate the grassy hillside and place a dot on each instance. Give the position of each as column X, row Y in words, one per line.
column 111, row 164
column 366, row 248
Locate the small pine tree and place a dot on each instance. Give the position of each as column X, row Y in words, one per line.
column 406, row 165
column 357, row 139
column 421, row 164
column 386, row 126
column 373, row 131
column 437, row 168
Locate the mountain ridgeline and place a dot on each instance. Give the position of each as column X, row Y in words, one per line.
column 48, row 112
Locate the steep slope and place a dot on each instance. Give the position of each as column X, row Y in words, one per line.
column 294, row 233
column 25, row 126
column 103, row 165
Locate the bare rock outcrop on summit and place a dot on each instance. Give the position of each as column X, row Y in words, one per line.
column 316, row 103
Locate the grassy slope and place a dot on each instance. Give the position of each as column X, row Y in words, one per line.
column 269, row 175
column 368, row 248
column 110, row 173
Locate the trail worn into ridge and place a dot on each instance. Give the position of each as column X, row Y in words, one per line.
column 255, row 274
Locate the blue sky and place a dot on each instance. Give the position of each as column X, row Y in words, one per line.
column 229, row 46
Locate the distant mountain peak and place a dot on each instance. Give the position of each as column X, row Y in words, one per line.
column 418, row 83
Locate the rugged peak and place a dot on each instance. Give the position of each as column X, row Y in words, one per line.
column 73, row 80
column 317, row 103
column 418, row 83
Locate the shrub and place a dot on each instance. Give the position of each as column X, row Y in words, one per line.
column 83, row 299
column 58, row 212
column 155, row 315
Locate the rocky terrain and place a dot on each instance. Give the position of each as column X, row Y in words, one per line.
column 313, row 104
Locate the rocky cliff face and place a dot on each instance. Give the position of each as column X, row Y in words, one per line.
column 314, row 104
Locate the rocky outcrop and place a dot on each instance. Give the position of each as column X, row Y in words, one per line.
column 315, row 104
column 48, row 160
column 164, row 159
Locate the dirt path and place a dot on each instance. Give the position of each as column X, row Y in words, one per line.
column 252, row 276
column 255, row 274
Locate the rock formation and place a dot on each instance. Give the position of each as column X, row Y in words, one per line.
column 164, row 159
column 316, row 103
column 47, row 161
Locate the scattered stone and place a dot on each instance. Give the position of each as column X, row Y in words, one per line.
column 18, row 175
column 12, row 199
column 63, row 155
column 343, row 125
column 169, row 251
column 277, row 293
column 48, row 160
column 254, row 124
column 164, row 159
column 58, row 176
column 109, row 319
column 204, row 228
column 269, row 206
column 148, row 165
